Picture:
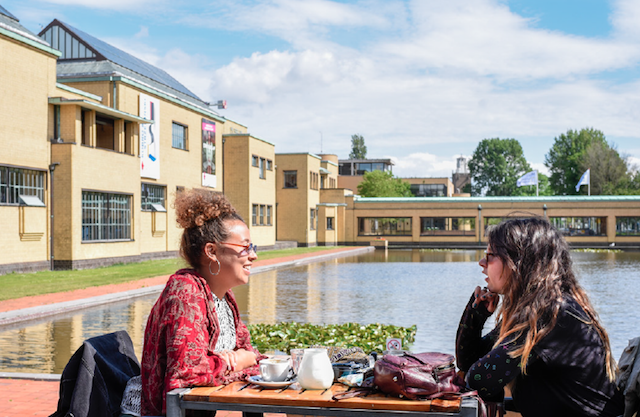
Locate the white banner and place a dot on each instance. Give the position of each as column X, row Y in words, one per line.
column 150, row 137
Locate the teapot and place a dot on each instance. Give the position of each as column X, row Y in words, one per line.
column 315, row 370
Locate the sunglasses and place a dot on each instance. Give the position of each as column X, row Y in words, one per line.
column 488, row 255
column 247, row 248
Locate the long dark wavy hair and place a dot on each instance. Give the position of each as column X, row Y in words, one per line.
column 537, row 261
column 203, row 215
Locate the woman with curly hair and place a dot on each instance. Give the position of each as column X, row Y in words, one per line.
column 548, row 346
column 194, row 335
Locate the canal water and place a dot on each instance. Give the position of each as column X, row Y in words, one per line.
column 400, row 287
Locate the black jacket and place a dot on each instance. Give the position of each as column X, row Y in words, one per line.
column 94, row 380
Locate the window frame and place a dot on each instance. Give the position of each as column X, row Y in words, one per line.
column 269, row 214
column 185, row 138
column 294, row 175
column 254, row 160
column 146, row 201
column 330, row 223
column 116, row 208
column 451, row 226
column 254, row 215
column 263, row 168
column 313, row 219
column 18, row 181
column 377, row 230
column 630, row 229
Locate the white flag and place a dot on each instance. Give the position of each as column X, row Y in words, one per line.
column 530, row 178
column 584, row 179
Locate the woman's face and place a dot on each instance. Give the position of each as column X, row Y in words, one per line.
column 235, row 261
column 493, row 268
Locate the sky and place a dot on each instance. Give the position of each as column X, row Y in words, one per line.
column 422, row 81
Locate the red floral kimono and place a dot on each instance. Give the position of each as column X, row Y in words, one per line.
column 180, row 338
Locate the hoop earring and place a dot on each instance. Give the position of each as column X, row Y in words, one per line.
column 218, row 268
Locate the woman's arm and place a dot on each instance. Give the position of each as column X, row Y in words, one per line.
column 470, row 345
column 492, row 372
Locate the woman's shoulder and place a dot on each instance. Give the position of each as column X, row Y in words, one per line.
column 185, row 281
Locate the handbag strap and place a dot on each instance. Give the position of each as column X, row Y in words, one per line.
column 359, row 392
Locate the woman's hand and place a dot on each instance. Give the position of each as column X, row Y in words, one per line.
column 238, row 360
column 486, row 297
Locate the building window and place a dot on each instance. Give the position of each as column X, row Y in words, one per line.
column 254, row 161
column 344, row 169
column 290, row 179
column 105, row 216
column 627, row 226
column 254, row 215
column 262, row 215
column 179, row 136
column 105, row 132
column 329, row 223
column 580, row 226
column 384, row 226
column 448, row 226
column 269, row 165
column 312, row 219
column 152, row 197
column 17, row 182
column 269, row 215
column 313, row 180
column 429, row 190
column 263, row 168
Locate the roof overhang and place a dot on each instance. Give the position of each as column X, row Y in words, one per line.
column 324, row 171
column 100, row 108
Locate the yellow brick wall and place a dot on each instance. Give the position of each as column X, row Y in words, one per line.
column 294, row 204
column 28, row 76
column 243, row 185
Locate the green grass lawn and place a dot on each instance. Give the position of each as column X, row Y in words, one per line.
column 46, row 282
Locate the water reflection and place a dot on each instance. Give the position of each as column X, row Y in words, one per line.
column 426, row 288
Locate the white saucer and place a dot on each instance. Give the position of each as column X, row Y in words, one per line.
column 257, row 379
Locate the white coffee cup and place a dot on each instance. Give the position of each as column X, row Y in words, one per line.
column 275, row 369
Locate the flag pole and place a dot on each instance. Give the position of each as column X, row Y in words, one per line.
column 537, row 183
column 589, row 183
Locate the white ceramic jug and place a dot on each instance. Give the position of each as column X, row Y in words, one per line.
column 315, row 370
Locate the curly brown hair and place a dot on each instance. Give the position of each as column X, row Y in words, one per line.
column 538, row 260
column 202, row 214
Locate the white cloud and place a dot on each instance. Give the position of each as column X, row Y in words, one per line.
column 423, row 164
column 142, row 33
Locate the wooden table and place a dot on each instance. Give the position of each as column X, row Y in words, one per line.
column 251, row 398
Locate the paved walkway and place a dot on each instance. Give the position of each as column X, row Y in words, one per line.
column 36, row 397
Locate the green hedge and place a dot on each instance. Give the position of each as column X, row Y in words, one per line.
column 286, row 336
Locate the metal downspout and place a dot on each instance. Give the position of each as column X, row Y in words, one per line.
column 52, row 168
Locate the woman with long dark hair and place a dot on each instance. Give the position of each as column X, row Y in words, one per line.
column 194, row 335
column 548, row 345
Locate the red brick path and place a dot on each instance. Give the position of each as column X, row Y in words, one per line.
column 24, row 397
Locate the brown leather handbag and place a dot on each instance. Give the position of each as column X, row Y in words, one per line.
column 417, row 375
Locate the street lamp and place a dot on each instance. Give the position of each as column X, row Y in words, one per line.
column 479, row 224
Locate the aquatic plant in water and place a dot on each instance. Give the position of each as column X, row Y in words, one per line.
column 291, row 335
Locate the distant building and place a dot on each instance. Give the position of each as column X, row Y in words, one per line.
column 461, row 177
column 351, row 171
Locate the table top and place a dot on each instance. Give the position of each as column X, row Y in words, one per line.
column 241, row 393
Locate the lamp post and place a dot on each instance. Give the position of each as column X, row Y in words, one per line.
column 479, row 224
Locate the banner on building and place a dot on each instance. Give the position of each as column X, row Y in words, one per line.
column 208, row 153
column 150, row 137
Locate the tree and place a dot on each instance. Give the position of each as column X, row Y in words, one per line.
column 566, row 156
column 358, row 149
column 609, row 171
column 495, row 167
column 383, row 184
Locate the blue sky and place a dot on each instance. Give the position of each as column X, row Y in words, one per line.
column 423, row 81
